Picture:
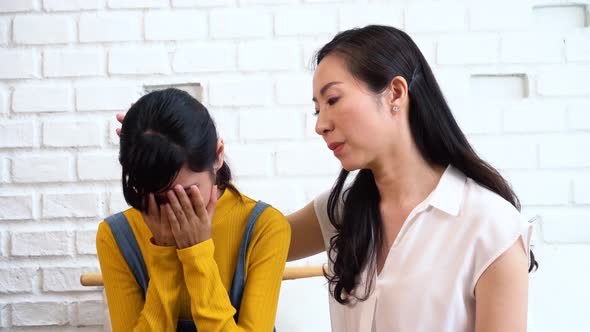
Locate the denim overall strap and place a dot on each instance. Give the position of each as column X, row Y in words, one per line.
column 237, row 287
column 129, row 248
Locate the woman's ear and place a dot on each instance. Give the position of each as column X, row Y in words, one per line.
column 397, row 93
column 219, row 159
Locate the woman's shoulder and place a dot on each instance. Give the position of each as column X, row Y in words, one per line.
column 482, row 203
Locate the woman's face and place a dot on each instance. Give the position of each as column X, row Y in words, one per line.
column 353, row 121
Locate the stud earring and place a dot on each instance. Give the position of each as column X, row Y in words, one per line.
column 395, row 108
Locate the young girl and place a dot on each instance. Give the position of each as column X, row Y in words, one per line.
column 196, row 237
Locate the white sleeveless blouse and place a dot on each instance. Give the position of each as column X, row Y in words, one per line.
column 428, row 280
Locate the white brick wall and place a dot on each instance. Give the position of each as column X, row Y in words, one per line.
column 558, row 151
column 71, row 205
column 578, row 45
column 472, row 48
column 46, row 168
column 23, row 63
column 243, row 23
column 251, row 128
column 294, row 90
column 514, row 72
column 65, row 279
column 89, row 313
column 535, row 116
column 278, row 56
column 107, row 27
column 17, row 207
column 125, row 60
column 71, row 5
column 86, row 242
column 289, row 21
column 55, row 243
column 17, row 134
column 535, row 47
column 72, row 133
column 578, row 116
column 98, row 166
column 44, row 29
column 250, row 92
column 201, row 3
column 436, row 16
column 206, row 57
column 582, row 190
column 18, row 6
column 3, row 101
column 250, row 160
column 39, row 313
column 310, row 159
column 122, row 4
column 17, row 280
column 92, row 97
column 181, row 25
column 4, row 32
column 507, row 152
column 42, row 98
column 392, row 14
column 85, row 62
column 563, row 81
column 116, row 202
column 488, row 16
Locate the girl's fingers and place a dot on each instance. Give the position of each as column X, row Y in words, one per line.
column 199, row 206
column 185, row 201
column 177, row 209
column 169, row 216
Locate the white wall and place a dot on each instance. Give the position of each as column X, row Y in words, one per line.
column 515, row 72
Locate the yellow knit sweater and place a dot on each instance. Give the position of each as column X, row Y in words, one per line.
column 192, row 283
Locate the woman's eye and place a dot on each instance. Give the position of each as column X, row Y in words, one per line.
column 332, row 101
column 316, row 112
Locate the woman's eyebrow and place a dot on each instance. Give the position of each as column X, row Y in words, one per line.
column 325, row 88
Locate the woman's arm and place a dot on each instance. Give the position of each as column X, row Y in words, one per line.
column 501, row 293
column 306, row 234
column 127, row 308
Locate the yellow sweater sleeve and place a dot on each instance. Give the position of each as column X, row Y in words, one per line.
column 211, row 308
column 127, row 307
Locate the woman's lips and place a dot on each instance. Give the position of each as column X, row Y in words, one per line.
column 336, row 148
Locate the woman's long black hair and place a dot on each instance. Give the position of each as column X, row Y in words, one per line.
column 161, row 132
column 375, row 55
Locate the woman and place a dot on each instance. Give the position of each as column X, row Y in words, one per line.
column 188, row 223
column 428, row 236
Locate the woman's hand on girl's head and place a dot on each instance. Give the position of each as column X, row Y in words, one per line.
column 157, row 221
column 190, row 220
column 120, row 117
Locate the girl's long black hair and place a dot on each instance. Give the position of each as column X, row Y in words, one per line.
column 161, row 132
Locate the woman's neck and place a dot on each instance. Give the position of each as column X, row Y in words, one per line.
column 405, row 179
